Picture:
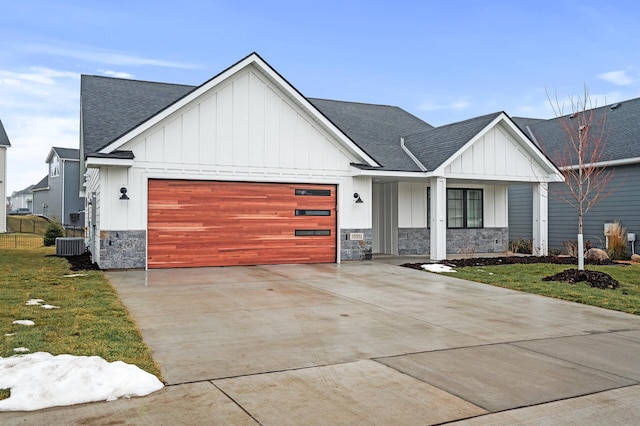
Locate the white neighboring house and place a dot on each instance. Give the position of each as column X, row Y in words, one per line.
column 244, row 170
column 4, row 144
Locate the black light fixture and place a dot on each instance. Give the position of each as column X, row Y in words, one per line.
column 357, row 198
column 123, row 191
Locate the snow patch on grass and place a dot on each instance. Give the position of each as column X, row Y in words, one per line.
column 41, row 380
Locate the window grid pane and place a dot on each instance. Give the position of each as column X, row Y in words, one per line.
column 455, row 208
column 464, row 208
column 474, row 208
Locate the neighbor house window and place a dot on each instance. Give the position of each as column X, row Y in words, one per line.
column 55, row 166
column 464, row 208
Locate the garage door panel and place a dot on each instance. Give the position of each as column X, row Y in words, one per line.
column 200, row 223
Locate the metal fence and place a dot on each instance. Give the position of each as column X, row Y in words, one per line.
column 72, row 231
column 25, row 226
column 20, row 241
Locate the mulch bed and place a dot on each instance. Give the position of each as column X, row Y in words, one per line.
column 594, row 278
column 82, row 262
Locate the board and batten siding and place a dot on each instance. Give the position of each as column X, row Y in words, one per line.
column 622, row 204
column 412, row 204
column 244, row 129
column 496, row 156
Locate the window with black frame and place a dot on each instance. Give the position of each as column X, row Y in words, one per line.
column 464, row 208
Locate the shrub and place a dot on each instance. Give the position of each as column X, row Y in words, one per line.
column 53, row 230
column 617, row 249
column 571, row 247
column 520, row 245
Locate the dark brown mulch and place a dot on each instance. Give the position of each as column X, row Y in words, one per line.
column 594, row 278
column 82, row 262
column 511, row 260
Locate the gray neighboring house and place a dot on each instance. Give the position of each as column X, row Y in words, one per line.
column 57, row 194
column 622, row 155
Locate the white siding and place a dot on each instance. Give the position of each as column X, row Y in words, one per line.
column 245, row 123
column 496, row 156
column 412, row 204
column 244, row 129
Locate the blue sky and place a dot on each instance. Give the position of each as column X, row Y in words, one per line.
column 443, row 61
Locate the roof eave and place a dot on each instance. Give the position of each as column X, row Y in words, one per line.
column 96, row 162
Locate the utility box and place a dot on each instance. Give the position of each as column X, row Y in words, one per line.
column 69, row 246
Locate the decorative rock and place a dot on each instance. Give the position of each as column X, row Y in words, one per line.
column 635, row 258
column 596, row 255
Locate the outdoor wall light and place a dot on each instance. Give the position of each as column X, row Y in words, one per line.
column 123, row 191
column 357, row 198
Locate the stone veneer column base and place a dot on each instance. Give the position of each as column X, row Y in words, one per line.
column 484, row 240
column 414, row 241
column 123, row 249
column 356, row 249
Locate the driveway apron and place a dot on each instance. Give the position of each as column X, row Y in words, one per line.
column 369, row 342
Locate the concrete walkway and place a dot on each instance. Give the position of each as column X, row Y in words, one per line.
column 366, row 343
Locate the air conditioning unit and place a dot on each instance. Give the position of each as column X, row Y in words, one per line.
column 69, row 246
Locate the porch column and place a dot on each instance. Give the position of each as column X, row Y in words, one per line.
column 438, row 218
column 540, row 219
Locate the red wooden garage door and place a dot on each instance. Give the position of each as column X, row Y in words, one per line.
column 204, row 223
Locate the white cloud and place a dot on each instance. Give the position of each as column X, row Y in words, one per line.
column 118, row 74
column 39, row 109
column 87, row 53
column 619, row 78
column 456, row 105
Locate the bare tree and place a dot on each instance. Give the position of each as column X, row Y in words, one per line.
column 581, row 159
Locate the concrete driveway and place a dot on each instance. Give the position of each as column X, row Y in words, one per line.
column 367, row 343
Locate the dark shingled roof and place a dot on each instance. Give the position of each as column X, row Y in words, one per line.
column 67, row 153
column 376, row 129
column 622, row 130
column 43, row 184
column 110, row 107
column 435, row 146
column 523, row 122
column 4, row 139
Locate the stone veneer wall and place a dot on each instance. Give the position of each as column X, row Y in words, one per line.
column 356, row 249
column 484, row 240
column 123, row 249
column 414, row 241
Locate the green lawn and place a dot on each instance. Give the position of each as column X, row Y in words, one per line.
column 528, row 278
column 90, row 320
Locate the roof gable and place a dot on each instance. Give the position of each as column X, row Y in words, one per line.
column 486, row 147
column 270, row 74
column 433, row 147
